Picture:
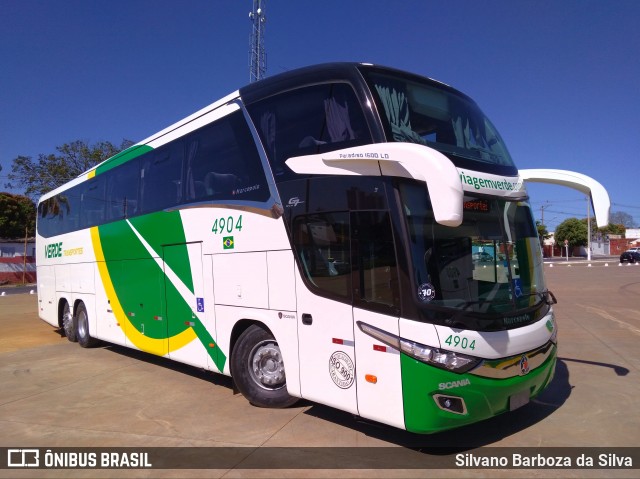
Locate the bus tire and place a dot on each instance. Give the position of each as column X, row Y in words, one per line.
column 81, row 322
column 68, row 323
column 257, row 368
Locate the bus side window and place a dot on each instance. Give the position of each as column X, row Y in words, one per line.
column 93, row 204
column 122, row 191
column 51, row 215
column 373, row 246
column 161, row 185
column 72, row 199
column 309, row 120
column 322, row 245
column 222, row 163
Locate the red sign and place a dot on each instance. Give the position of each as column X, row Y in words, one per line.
column 480, row 206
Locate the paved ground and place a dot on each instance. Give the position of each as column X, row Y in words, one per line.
column 17, row 289
column 56, row 394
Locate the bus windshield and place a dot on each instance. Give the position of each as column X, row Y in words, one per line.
column 422, row 112
column 489, row 265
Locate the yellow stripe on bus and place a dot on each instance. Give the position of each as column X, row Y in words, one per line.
column 156, row 346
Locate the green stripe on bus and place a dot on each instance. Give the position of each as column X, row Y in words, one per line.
column 122, row 157
column 140, row 284
column 166, row 228
column 483, row 397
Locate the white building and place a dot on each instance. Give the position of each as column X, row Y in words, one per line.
column 632, row 233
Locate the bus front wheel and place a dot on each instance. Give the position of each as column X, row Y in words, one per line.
column 67, row 323
column 257, row 368
column 81, row 322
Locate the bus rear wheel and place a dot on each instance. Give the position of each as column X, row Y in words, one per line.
column 81, row 322
column 257, row 368
column 68, row 323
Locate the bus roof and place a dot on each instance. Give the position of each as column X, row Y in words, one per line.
column 320, row 73
column 326, row 72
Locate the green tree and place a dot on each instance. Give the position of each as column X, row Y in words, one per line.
column 610, row 229
column 36, row 177
column 573, row 230
column 613, row 229
column 17, row 213
column 543, row 232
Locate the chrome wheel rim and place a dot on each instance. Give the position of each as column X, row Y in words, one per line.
column 82, row 324
column 266, row 366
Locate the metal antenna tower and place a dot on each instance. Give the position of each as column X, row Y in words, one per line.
column 257, row 53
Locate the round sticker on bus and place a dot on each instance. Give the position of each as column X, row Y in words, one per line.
column 341, row 369
column 426, row 292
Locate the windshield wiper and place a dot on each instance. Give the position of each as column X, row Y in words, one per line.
column 546, row 296
column 466, row 304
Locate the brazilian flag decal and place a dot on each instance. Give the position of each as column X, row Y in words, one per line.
column 227, row 242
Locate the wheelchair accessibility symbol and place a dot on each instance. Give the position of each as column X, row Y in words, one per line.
column 517, row 288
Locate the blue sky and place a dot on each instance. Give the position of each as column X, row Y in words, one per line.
column 560, row 79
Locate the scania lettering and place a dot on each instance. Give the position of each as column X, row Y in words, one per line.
column 346, row 233
column 454, row 384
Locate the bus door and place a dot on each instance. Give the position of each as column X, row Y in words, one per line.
column 325, row 322
column 349, row 261
column 184, row 290
column 376, row 301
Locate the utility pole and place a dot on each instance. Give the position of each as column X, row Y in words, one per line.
column 542, row 224
column 542, row 212
column 257, row 52
column 588, row 228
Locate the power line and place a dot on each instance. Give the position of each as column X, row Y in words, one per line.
column 626, row 206
column 556, row 201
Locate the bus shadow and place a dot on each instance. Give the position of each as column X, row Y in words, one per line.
column 619, row 370
column 456, row 440
column 467, row 437
column 193, row 371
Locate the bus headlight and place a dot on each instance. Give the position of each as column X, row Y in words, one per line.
column 416, row 350
column 441, row 358
column 456, row 362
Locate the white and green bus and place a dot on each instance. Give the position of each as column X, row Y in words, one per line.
column 345, row 233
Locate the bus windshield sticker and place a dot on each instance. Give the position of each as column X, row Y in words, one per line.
column 517, row 287
column 426, row 292
column 341, row 369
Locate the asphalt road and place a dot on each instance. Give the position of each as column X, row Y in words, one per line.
column 55, row 394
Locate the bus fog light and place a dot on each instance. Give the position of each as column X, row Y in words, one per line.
column 452, row 404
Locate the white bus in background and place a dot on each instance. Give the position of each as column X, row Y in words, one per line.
column 345, row 233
